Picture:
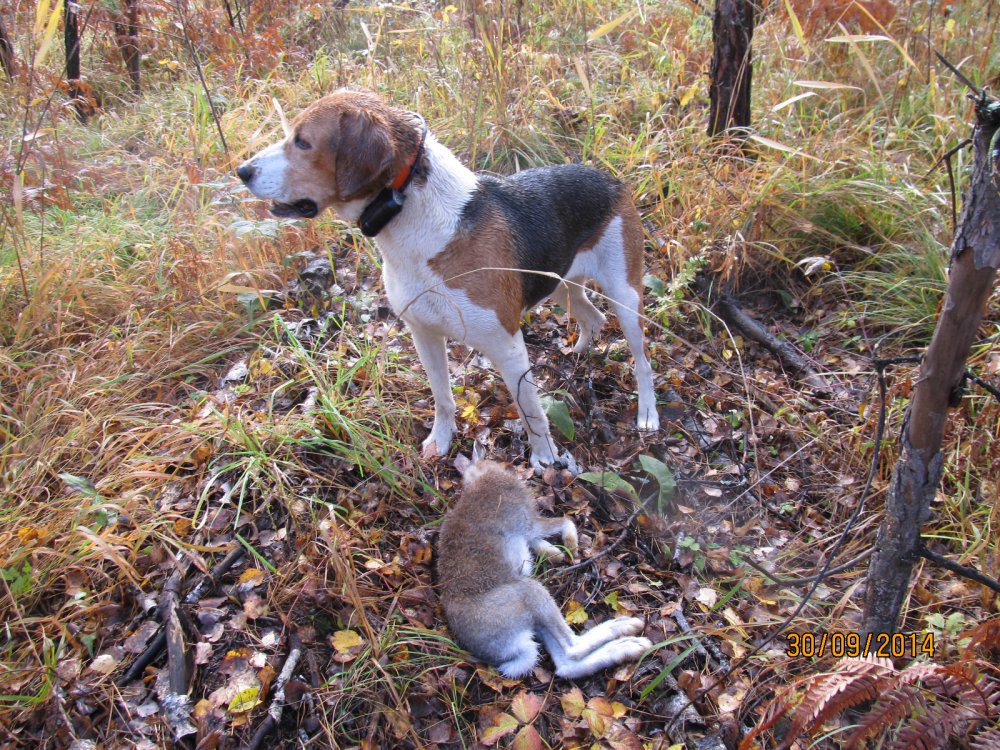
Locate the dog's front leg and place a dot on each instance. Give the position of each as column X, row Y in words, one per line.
column 432, row 348
column 510, row 357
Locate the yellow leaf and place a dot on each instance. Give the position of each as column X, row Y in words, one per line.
column 526, row 706
column 468, row 407
column 245, row 700
column 689, row 93
column 503, row 724
column 599, row 715
column 581, row 70
column 50, row 32
column 252, row 577
column 30, row 534
column 791, row 100
column 576, row 614
column 573, row 703
column 852, row 38
column 344, row 640
column 611, row 25
column 825, row 85
column 41, row 14
column 797, row 27
column 781, row 147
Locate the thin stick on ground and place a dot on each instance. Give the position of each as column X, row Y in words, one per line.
column 277, row 706
column 733, row 314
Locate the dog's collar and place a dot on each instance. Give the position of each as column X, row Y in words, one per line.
column 389, row 202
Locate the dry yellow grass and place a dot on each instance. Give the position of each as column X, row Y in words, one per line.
column 127, row 256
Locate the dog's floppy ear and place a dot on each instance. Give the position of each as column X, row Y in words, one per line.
column 364, row 154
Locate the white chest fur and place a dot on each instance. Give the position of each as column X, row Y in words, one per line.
column 419, row 294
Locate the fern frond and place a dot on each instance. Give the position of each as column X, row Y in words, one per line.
column 854, row 682
column 963, row 684
column 988, row 740
column 775, row 711
column 984, row 638
column 931, row 731
column 897, row 704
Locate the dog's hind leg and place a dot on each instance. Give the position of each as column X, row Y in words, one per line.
column 605, row 632
column 627, row 304
column 432, row 350
column 572, row 296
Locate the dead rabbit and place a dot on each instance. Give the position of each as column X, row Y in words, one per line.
column 494, row 609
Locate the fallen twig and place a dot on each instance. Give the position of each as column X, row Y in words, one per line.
column 686, row 718
column 731, row 311
column 172, row 692
column 857, row 560
column 962, row 570
column 176, row 652
column 211, row 580
column 701, row 647
column 277, row 707
column 159, row 642
column 607, row 550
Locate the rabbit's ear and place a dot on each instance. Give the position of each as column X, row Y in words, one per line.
column 462, row 463
column 478, row 452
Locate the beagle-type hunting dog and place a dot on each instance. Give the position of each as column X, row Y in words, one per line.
column 465, row 255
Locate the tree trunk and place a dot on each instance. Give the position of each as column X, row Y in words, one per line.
column 127, row 31
column 731, row 73
column 975, row 255
column 71, row 37
column 7, row 58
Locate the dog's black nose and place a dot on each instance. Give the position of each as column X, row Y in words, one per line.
column 246, row 171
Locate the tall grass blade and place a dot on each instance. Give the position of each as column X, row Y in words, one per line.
column 50, row 32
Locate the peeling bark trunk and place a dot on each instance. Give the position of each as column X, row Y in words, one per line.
column 731, row 74
column 7, row 58
column 975, row 255
column 71, row 37
column 127, row 31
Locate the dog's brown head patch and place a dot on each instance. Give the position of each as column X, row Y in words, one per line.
column 348, row 146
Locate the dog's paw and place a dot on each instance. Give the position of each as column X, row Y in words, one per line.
column 648, row 422
column 550, row 552
column 565, row 460
column 437, row 443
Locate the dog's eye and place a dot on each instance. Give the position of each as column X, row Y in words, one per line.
column 301, row 143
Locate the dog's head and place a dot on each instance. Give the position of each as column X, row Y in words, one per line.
column 340, row 152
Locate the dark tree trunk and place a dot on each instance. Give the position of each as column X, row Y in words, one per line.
column 71, row 36
column 731, row 74
column 7, row 59
column 127, row 31
column 975, row 255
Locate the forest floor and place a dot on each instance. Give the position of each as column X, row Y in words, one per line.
column 210, row 418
